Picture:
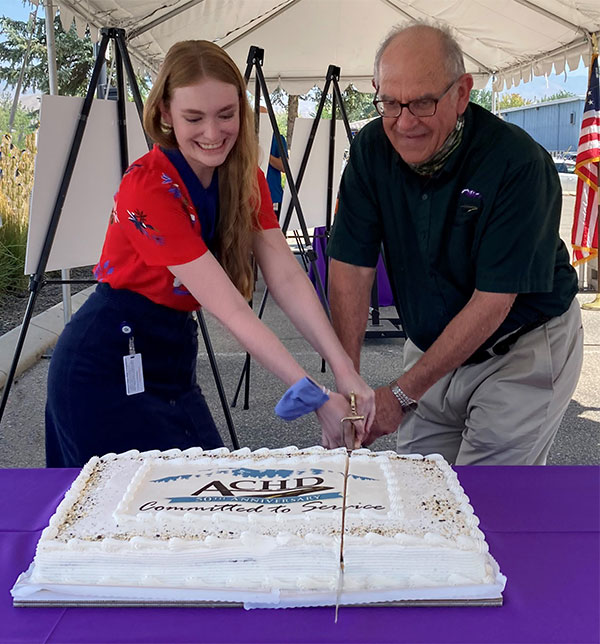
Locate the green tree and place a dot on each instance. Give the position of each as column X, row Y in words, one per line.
column 512, row 100
column 553, row 97
column 279, row 97
column 359, row 105
column 25, row 122
column 289, row 102
column 482, row 97
column 282, row 123
column 74, row 57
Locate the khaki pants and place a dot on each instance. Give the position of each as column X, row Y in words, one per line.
column 506, row 410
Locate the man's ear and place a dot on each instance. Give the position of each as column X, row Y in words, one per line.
column 374, row 84
column 465, row 85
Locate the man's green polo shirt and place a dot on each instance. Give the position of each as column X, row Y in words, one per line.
column 488, row 220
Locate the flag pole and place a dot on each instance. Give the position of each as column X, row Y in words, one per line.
column 594, row 305
column 591, row 156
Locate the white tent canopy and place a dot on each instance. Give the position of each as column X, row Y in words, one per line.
column 511, row 40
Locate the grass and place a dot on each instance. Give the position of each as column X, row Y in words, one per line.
column 16, row 183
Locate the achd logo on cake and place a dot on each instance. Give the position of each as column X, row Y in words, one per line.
column 259, row 486
column 243, row 489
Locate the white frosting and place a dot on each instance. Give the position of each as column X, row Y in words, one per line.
column 266, row 520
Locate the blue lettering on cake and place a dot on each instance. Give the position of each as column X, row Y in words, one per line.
column 254, row 499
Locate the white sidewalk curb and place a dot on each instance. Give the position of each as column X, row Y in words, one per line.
column 42, row 334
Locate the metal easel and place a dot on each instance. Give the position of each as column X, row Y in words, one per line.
column 309, row 257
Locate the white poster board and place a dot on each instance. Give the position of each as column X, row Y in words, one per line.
column 96, row 176
column 313, row 189
column 265, row 134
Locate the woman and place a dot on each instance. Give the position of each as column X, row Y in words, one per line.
column 186, row 219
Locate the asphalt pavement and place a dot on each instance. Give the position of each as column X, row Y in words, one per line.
column 255, row 424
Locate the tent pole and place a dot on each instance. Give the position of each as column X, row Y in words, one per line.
column 65, row 273
column 51, row 47
column 494, row 97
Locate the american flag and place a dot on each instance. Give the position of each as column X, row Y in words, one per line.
column 584, row 236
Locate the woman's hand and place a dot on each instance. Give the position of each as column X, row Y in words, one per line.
column 334, row 433
column 351, row 382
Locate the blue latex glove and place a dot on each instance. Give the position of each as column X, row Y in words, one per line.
column 301, row 398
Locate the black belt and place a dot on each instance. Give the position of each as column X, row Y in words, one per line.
column 502, row 347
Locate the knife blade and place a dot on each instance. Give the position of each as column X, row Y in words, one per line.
column 354, row 417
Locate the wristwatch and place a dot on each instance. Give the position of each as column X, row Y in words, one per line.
column 407, row 403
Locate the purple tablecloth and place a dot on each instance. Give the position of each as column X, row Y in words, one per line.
column 384, row 288
column 542, row 525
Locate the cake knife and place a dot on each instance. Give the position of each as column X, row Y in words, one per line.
column 354, row 417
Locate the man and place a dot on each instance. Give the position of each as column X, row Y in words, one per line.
column 467, row 208
column 274, row 174
column 275, row 169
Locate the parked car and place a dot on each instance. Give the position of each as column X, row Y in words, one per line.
column 565, row 165
column 566, row 173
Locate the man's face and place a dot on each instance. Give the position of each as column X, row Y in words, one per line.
column 412, row 68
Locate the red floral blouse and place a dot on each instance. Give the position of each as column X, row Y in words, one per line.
column 154, row 224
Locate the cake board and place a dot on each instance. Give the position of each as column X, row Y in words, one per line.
column 27, row 594
column 83, row 561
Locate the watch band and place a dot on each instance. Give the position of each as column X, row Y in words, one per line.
column 407, row 403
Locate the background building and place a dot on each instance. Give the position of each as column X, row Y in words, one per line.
column 555, row 124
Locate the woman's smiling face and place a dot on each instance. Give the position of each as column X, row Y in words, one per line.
column 205, row 118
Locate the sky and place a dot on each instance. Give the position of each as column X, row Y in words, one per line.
column 573, row 81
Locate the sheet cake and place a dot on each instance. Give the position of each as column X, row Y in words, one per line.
column 264, row 528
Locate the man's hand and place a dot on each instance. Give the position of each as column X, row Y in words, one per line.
column 388, row 415
column 333, row 434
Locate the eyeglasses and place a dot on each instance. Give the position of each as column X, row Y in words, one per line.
column 419, row 107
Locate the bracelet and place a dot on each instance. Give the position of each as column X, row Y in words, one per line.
column 407, row 403
column 301, row 398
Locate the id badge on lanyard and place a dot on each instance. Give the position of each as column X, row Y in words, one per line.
column 132, row 364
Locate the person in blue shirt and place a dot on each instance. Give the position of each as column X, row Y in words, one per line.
column 274, row 174
column 275, row 169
